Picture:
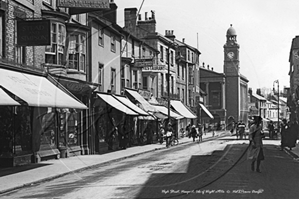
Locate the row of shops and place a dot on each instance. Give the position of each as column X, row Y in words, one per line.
column 44, row 117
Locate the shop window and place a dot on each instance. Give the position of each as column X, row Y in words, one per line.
column 54, row 52
column 72, row 127
column 77, row 52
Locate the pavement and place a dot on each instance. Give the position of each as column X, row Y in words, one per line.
column 26, row 175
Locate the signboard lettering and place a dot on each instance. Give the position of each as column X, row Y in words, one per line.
column 33, row 33
column 155, row 68
column 84, row 4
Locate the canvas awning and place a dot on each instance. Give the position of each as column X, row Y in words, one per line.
column 6, row 100
column 131, row 105
column 37, row 90
column 146, row 105
column 206, row 111
column 109, row 99
column 182, row 109
column 164, row 110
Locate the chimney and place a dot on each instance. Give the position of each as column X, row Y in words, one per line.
column 183, row 39
column 140, row 17
column 208, row 67
column 212, row 68
column 111, row 14
column 203, row 65
column 147, row 26
column 153, row 14
column 169, row 34
column 130, row 19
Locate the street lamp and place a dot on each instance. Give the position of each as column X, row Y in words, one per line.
column 277, row 81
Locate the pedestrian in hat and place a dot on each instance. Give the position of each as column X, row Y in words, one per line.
column 255, row 149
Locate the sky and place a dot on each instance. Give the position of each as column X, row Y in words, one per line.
column 265, row 30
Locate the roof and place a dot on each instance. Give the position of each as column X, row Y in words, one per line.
column 259, row 97
column 159, row 36
column 231, row 31
column 186, row 45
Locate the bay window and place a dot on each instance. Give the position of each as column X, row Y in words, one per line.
column 77, row 52
column 54, row 53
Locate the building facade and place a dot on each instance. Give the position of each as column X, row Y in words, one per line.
column 293, row 96
column 213, row 84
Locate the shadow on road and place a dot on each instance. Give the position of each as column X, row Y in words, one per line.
column 201, row 172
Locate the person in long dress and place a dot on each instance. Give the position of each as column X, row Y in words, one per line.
column 255, row 150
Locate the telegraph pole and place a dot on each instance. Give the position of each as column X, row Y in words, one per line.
column 168, row 84
column 278, row 105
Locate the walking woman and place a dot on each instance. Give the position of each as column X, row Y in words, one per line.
column 255, row 150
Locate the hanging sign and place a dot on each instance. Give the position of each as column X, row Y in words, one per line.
column 84, row 4
column 33, row 33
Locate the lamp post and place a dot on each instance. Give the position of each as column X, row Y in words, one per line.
column 277, row 81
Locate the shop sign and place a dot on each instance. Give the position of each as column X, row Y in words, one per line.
column 33, row 33
column 142, row 63
column 157, row 68
column 103, row 4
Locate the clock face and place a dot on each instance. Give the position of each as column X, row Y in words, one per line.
column 230, row 55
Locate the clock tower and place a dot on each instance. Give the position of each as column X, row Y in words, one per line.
column 232, row 74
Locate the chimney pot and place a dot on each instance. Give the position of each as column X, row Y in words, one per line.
column 207, row 66
column 183, row 39
column 153, row 14
column 146, row 17
column 140, row 17
column 212, row 68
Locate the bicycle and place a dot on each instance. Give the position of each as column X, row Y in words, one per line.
column 174, row 140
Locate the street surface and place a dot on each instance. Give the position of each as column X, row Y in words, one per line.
column 212, row 169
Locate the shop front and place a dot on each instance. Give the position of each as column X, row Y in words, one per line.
column 114, row 123
column 189, row 117
column 147, row 130
column 30, row 131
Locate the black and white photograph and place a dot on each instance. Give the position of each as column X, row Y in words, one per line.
column 149, row 99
